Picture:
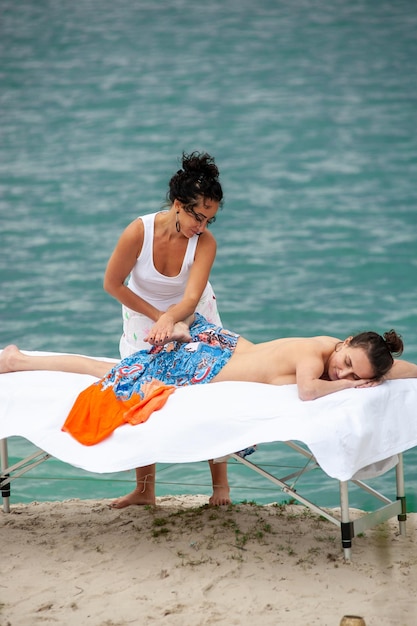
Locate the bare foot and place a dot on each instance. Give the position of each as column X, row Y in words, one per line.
column 135, row 497
column 9, row 359
column 181, row 333
column 221, row 495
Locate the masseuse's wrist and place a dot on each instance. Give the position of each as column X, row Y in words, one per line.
column 167, row 317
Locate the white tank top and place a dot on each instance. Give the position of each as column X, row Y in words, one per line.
column 145, row 280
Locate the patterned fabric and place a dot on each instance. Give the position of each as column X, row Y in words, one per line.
column 177, row 364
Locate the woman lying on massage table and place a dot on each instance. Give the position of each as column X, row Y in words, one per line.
column 203, row 353
column 208, row 353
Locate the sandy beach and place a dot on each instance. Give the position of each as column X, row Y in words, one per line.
column 184, row 563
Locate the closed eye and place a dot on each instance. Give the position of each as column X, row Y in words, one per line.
column 201, row 218
column 348, row 364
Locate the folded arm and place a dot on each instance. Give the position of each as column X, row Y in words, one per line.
column 402, row 369
column 311, row 385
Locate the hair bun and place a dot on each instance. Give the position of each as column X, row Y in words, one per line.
column 200, row 164
column 199, row 176
column 394, row 342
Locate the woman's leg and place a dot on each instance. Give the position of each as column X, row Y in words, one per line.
column 221, row 489
column 12, row 360
column 144, row 493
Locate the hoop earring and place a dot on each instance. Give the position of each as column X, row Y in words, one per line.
column 177, row 224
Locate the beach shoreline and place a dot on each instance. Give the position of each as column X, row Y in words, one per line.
column 185, row 563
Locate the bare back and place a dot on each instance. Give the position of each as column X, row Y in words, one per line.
column 275, row 362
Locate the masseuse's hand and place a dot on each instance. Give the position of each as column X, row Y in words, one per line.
column 162, row 331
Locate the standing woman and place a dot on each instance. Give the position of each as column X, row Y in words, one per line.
column 168, row 257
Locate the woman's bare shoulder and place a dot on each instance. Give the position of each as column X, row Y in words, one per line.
column 206, row 244
column 134, row 231
column 318, row 345
column 326, row 339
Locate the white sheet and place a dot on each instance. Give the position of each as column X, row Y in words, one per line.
column 346, row 431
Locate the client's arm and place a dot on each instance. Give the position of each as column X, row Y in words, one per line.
column 309, row 372
column 402, row 369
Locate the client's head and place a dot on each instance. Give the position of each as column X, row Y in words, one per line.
column 367, row 355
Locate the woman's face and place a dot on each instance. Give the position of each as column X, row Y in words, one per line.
column 351, row 363
column 194, row 221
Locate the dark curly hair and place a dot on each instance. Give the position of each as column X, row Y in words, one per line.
column 379, row 349
column 198, row 177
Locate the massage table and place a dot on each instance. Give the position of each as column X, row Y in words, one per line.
column 351, row 435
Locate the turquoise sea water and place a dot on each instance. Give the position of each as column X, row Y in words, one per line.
column 310, row 110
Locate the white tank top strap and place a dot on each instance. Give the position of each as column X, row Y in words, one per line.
column 148, row 232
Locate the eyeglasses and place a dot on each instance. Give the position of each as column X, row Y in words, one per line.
column 200, row 218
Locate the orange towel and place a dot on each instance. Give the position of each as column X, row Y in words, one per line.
column 97, row 412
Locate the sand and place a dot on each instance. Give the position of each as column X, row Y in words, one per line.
column 183, row 563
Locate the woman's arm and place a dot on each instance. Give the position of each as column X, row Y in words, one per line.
column 121, row 263
column 311, row 367
column 402, row 369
